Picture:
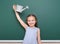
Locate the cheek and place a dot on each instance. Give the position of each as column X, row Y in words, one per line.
column 34, row 21
column 28, row 21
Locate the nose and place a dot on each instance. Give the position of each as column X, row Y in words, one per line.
column 31, row 21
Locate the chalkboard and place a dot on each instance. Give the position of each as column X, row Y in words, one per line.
column 47, row 12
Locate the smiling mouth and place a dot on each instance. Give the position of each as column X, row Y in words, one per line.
column 31, row 23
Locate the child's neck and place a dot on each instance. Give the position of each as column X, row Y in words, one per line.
column 32, row 26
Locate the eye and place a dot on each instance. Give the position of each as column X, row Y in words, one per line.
column 33, row 20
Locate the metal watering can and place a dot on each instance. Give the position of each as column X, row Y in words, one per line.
column 20, row 8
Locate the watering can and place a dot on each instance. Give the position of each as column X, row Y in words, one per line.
column 20, row 8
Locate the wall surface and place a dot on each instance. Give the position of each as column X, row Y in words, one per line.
column 47, row 12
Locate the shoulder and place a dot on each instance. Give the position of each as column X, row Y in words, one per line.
column 38, row 29
column 27, row 28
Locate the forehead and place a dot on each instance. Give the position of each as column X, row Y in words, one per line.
column 31, row 18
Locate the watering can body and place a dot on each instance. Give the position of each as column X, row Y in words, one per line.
column 20, row 8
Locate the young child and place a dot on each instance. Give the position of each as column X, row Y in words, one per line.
column 32, row 35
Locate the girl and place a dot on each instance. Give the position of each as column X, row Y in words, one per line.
column 32, row 35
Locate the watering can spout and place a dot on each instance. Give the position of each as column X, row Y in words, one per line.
column 25, row 8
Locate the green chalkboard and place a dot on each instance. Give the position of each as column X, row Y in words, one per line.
column 47, row 12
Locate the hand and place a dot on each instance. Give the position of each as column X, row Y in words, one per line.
column 14, row 7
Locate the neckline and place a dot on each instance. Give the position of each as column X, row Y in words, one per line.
column 32, row 27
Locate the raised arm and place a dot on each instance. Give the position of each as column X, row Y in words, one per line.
column 18, row 18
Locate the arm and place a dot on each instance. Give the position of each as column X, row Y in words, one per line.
column 18, row 17
column 38, row 37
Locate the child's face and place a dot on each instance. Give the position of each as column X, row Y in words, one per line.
column 31, row 21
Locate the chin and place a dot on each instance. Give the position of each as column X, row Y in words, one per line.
column 31, row 25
